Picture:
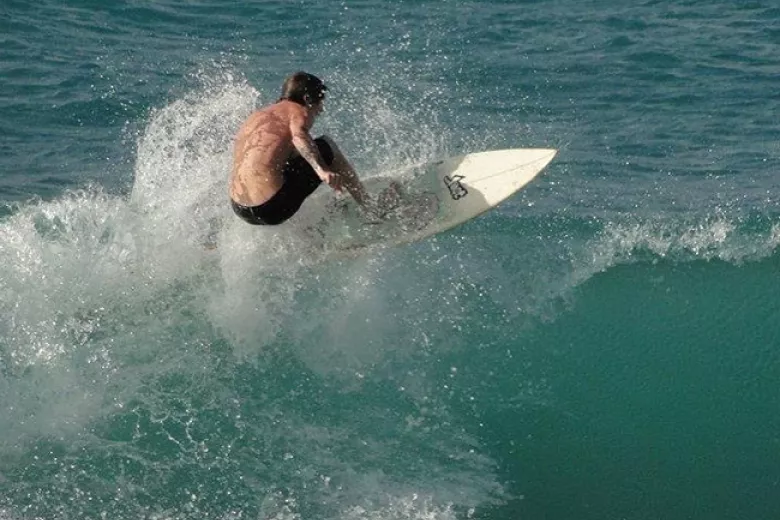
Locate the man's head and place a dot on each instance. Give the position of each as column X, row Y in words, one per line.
column 303, row 88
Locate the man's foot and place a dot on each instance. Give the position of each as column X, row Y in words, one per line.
column 391, row 197
column 375, row 211
column 372, row 212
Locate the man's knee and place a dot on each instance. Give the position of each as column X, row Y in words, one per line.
column 328, row 140
column 326, row 150
column 338, row 156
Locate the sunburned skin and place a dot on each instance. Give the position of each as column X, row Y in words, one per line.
column 263, row 145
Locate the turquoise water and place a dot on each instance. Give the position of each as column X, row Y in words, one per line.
column 602, row 346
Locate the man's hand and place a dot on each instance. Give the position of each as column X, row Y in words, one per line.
column 332, row 179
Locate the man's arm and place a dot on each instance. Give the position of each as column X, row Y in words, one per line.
column 303, row 142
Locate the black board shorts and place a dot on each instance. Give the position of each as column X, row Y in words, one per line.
column 300, row 181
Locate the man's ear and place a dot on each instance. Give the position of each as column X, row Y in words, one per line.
column 307, row 100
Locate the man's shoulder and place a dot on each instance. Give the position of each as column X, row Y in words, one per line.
column 284, row 105
column 281, row 110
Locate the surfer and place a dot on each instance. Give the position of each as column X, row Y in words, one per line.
column 277, row 164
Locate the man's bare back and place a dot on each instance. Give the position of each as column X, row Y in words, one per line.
column 263, row 145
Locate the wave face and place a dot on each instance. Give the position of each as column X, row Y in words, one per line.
column 603, row 345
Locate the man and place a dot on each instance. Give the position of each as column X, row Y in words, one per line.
column 277, row 164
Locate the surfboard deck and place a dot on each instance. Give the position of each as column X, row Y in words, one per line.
column 434, row 198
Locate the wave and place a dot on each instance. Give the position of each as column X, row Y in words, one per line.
column 153, row 376
column 137, row 362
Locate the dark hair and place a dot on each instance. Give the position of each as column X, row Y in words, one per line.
column 303, row 88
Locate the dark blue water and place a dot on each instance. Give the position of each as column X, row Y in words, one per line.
column 602, row 346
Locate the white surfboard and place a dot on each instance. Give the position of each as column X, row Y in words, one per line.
column 436, row 197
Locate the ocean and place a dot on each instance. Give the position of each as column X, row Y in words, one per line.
column 603, row 346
